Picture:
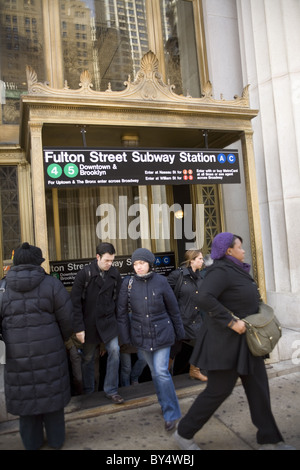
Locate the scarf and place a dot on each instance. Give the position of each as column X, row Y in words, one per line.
column 245, row 266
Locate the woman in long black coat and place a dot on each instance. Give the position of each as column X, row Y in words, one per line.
column 36, row 320
column 186, row 282
column 222, row 348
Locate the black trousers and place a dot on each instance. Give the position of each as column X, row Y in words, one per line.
column 32, row 430
column 220, row 385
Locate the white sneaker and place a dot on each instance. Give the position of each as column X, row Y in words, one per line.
column 279, row 446
column 185, row 444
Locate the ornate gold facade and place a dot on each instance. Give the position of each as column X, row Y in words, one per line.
column 146, row 103
column 148, row 108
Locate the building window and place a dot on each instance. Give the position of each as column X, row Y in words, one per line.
column 9, row 209
column 28, row 49
column 86, row 216
column 111, row 45
column 180, row 46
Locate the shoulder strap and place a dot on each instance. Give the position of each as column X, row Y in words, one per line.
column 2, row 290
column 129, row 291
column 115, row 290
column 178, row 283
column 88, row 275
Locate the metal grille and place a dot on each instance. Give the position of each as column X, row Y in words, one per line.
column 211, row 214
column 10, row 218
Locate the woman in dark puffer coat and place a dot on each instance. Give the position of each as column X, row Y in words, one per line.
column 154, row 326
column 36, row 320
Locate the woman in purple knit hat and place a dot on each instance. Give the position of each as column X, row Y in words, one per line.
column 222, row 349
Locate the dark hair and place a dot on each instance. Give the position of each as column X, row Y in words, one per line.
column 104, row 247
column 235, row 238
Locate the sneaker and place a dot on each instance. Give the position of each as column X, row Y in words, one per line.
column 185, row 444
column 279, row 446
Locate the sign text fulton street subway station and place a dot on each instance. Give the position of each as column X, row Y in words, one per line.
column 122, row 166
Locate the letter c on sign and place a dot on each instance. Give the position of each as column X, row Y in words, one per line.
column 231, row 158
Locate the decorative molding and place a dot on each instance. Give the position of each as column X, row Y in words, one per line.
column 147, row 86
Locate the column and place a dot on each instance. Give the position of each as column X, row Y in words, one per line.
column 38, row 191
column 25, row 202
column 253, row 212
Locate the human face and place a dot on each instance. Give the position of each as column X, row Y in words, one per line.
column 105, row 261
column 197, row 262
column 237, row 250
column 141, row 267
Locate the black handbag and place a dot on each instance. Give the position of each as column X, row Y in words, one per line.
column 263, row 330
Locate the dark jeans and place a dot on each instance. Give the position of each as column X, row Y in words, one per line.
column 32, row 432
column 219, row 386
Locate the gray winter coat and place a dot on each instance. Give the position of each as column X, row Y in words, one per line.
column 36, row 319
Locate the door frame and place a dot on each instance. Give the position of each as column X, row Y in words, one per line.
column 146, row 102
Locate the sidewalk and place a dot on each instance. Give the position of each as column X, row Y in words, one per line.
column 92, row 423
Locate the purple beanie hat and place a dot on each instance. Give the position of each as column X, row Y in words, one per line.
column 220, row 244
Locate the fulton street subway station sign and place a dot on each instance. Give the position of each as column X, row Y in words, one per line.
column 67, row 270
column 123, row 166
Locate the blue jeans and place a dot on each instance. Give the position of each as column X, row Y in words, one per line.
column 158, row 362
column 130, row 374
column 111, row 381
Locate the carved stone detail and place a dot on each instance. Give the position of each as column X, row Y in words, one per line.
column 147, row 86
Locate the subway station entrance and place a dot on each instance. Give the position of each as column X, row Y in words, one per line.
column 84, row 209
column 69, row 215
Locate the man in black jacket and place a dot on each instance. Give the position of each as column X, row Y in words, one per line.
column 94, row 296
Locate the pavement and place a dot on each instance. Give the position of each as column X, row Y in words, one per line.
column 93, row 423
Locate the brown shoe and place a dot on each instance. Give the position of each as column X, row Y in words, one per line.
column 117, row 399
column 196, row 374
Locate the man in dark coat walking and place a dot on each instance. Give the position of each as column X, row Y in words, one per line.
column 36, row 320
column 94, row 295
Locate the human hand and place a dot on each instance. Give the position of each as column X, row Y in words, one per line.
column 239, row 327
column 80, row 336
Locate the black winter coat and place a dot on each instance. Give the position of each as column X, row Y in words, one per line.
column 226, row 288
column 155, row 317
column 188, row 299
column 36, row 320
column 96, row 314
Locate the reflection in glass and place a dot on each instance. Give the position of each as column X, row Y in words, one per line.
column 106, row 37
column 21, row 33
column 86, row 216
column 180, row 46
column 122, row 215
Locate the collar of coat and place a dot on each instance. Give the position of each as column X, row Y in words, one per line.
column 95, row 270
